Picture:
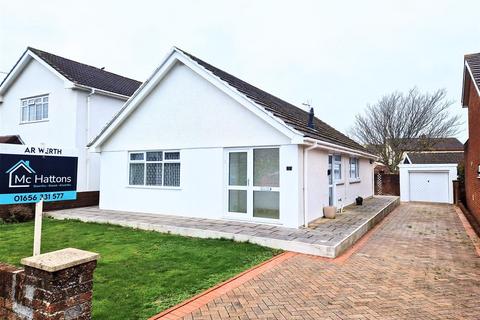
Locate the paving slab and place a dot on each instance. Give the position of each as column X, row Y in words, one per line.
column 324, row 237
column 419, row 264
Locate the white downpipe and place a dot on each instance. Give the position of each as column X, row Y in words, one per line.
column 87, row 133
column 305, row 183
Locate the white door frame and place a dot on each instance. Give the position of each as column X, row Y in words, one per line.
column 331, row 181
column 250, row 188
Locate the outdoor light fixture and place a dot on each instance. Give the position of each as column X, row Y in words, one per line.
column 478, row 171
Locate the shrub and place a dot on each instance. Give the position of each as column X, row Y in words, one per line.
column 16, row 213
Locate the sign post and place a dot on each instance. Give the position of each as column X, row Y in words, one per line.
column 37, row 233
column 30, row 174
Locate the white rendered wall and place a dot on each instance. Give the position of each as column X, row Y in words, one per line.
column 93, row 113
column 349, row 189
column 291, row 189
column 346, row 190
column 202, row 190
column 200, row 195
column 187, row 113
column 58, row 130
column 317, row 183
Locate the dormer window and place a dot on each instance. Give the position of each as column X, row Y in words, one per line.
column 34, row 109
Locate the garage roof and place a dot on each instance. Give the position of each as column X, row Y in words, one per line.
column 435, row 157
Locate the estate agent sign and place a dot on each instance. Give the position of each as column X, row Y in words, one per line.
column 30, row 174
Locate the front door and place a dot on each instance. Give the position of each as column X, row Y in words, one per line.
column 331, row 185
column 253, row 184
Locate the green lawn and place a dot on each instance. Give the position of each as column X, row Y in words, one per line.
column 140, row 273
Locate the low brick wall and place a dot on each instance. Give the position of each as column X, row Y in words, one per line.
column 10, row 213
column 84, row 199
column 37, row 294
column 470, row 217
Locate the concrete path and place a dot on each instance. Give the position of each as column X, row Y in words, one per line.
column 418, row 264
column 328, row 238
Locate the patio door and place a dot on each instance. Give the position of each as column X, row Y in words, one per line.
column 253, row 184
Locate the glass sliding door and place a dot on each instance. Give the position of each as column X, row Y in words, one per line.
column 253, row 186
column 237, row 181
column 266, row 183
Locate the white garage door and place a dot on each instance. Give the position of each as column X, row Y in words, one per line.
column 429, row 186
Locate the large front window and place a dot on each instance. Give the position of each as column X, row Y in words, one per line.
column 154, row 168
column 34, row 109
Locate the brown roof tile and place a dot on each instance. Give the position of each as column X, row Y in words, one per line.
column 435, row 157
column 293, row 116
column 83, row 74
column 438, row 144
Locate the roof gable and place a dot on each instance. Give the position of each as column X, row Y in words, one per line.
column 471, row 74
column 285, row 117
column 75, row 73
column 291, row 115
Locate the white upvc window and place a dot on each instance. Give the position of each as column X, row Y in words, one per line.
column 354, row 169
column 337, row 168
column 34, row 109
column 154, row 168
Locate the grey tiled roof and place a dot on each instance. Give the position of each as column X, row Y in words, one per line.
column 435, row 157
column 293, row 116
column 473, row 61
column 83, row 74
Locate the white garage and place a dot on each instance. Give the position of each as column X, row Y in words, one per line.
column 422, row 178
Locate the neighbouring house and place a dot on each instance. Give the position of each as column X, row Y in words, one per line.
column 432, row 145
column 423, row 145
column 196, row 141
column 471, row 100
column 417, row 180
column 48, row 99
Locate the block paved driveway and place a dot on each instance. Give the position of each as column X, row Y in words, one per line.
column 419, row 264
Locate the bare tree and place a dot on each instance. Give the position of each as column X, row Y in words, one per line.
column 401, row 122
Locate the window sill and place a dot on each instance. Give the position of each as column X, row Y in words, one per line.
column 352, row 181
column 154, row 187
column 340, row 182
column 37, row 121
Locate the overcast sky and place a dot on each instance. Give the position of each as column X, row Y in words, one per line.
column 339, row 55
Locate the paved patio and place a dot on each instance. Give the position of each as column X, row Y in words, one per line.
column 325, row 237
column 419, row 264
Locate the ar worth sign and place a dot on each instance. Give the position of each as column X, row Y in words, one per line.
column 30, row 174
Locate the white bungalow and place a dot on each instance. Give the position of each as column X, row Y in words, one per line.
column 196, row 141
